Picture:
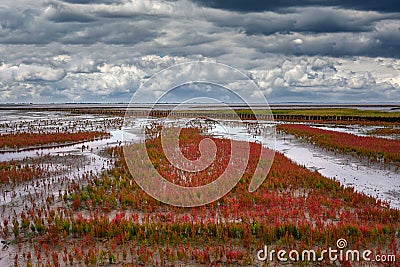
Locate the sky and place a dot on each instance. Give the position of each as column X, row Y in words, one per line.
column 320, row 51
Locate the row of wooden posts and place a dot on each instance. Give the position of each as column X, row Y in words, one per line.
column 220, row 115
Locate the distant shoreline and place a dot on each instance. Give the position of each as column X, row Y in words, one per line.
column 119, row 106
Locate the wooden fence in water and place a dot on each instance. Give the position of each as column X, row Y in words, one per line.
column 222, row 115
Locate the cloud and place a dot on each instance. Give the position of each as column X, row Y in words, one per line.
column 30, row 73
column 74, row 50
column 167, row 27
column 277, row 5
column 60, row 13
column 329, row 79
column 298, row 41
column 283, row 78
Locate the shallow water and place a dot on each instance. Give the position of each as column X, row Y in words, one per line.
column 90, row 146
column 372, row 179
column 359, row 130
column 12, row 121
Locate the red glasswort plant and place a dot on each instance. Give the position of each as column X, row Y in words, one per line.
column 371, row 147
column 23, row 139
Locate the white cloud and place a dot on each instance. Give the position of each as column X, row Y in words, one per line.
column 298, row 41
column 62, row 58
column 331, row 76
column 26, row 73
column 65, row 51
column 83, row 78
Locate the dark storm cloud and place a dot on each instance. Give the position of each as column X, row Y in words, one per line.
column 279, row 5
column 91, row 1
column 11, row 19
column 61, row 13
column 304, row 20
column 75, row 50
column 180, row 28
